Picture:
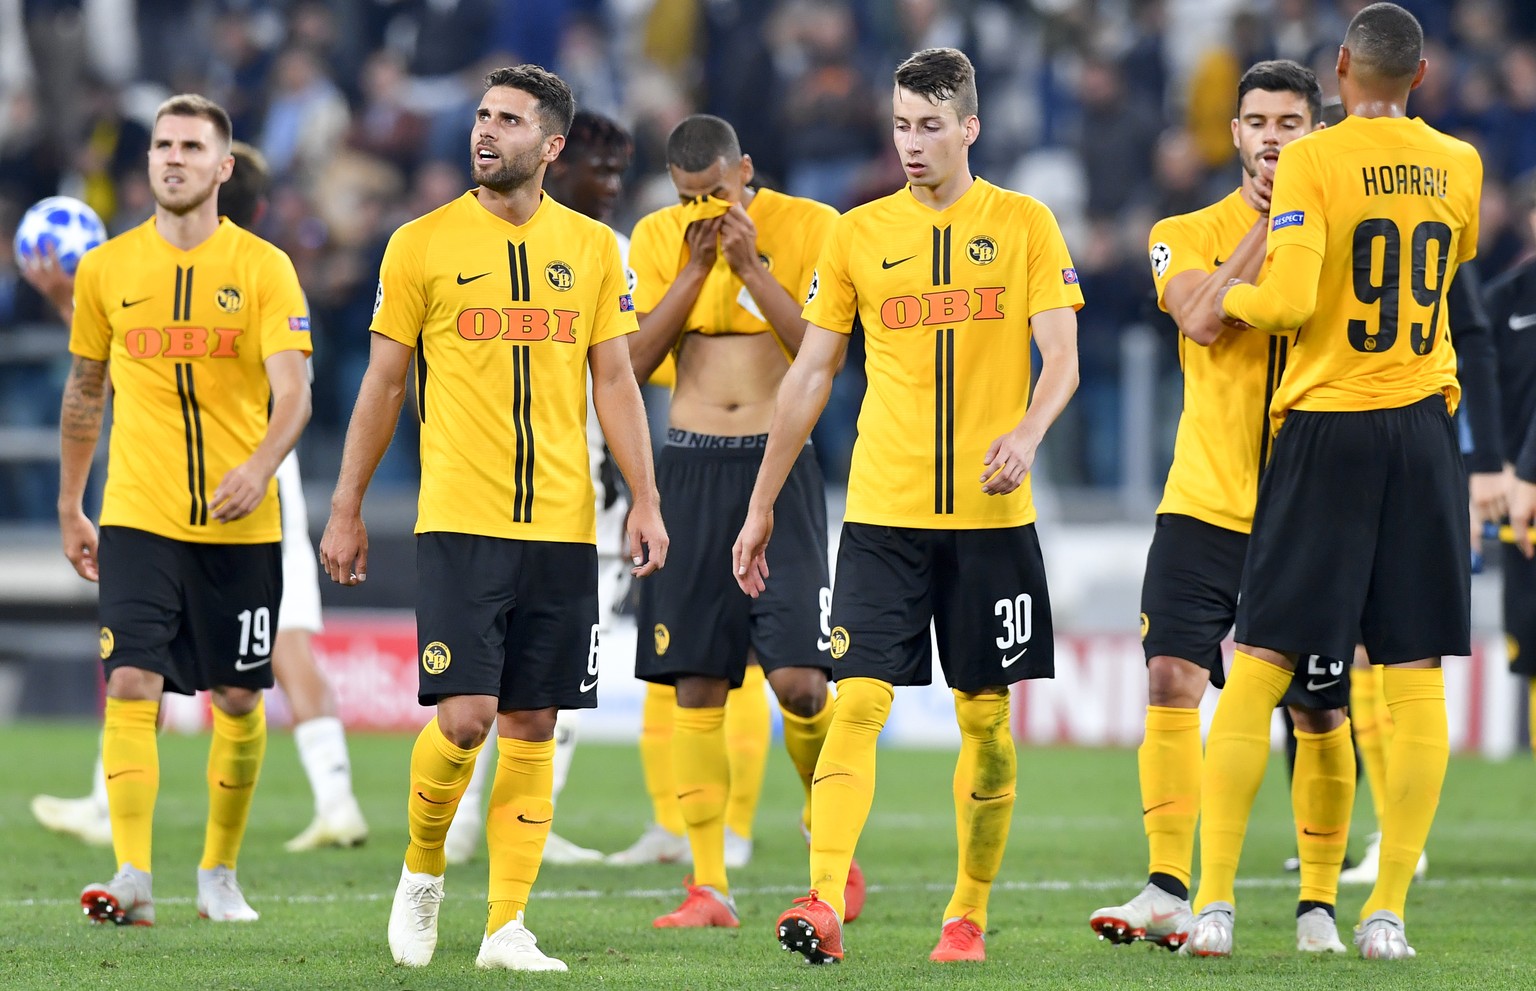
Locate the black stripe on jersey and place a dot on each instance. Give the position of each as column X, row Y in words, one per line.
column 517, row 265
column 192, row 422
column 941, row 242
column 522, row 264
column 1279, row 348
column 421, row 382
column 522, row 427
column 517, row 285
column 949, row 399
column 947, row 232
column 944, row 421
column 186, row 298
column 176, row 298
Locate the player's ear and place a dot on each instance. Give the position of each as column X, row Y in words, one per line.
column 1418, row 77
column 226, row 168
column 1235, row 143
column 972, row 127
column 747, row 170
column 553, row 148
column 1341, row 68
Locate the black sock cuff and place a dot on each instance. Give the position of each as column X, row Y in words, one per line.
column 1303, row 907
column 1170, row 884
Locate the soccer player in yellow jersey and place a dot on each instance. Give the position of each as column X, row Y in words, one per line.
column 204, row 328
column 1361, row 528
column 952, row 278
column 1190, row 590
column 502, row 300
column 718, row 279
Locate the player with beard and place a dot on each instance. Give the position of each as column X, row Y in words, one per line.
column 205, row 330
column 502, row 300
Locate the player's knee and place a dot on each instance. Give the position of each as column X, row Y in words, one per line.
column 863, row 703
column 135, row 684
column 236, row 701
column 533, row 725
column 1317, row 720
column 466, row 727
column 981, row 716
column 1175, row 683
column 801, row 692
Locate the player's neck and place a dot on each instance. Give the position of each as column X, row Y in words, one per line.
column 945, row 194
column 1365, row 103
column 516, row 206
column 186, row 230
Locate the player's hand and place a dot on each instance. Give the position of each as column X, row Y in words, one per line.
column 240, row 491
column 1522, row 514
column 1221, row 304
column 702, row 238
column 1008, row 460
column 80, row 543
column 738, row 239
column 1263, row 186
column 749, row 555
column 48, row 277
column 344, row 548
column 1489, row 495
column 648, row 539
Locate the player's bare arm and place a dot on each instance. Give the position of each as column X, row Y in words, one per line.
column 1286, row 298
column 344, row 545
column 620, row 411
column 1489, row 493
column 802, row 396
column 243, row 487
column 738, row 242
column 1010, row 456
column 85, row 398
column 659, row 328
column 1190, row 296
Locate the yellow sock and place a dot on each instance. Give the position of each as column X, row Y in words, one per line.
column 1169, row 765
column 517, row 823
column 844, row 785
column 1322, row 797
column 440, row 772
column 703, row 776
column 1235, row 755
column 130, row 760
column 234, row 763
column 1416, row 763
column 656, row 756
column 1366, row 709
column 748, row 729
column 986, row 774
column 803, row 738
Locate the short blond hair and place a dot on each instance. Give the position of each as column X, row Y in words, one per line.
column 197, row 105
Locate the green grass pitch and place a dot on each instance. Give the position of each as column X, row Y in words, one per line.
column 1076, row 845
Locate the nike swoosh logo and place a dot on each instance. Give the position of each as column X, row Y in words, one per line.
column 988, row 798
column 1158, row 917
column 683, row 795
column 226, row 785
column 533, row 822
column 1317, row 686
column 431, row 801
column 464, row 282
column 253, row 665
column 587, row 686
column 146, row 299
column 892, row 264
column 118, row 774
column 1520, row 323
column 823, row 644
column 1008, row 661
column 1159, row 805
column 833, row 774
column 1313, row 832
column 1220, row 262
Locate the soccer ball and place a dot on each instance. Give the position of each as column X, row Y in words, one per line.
column 63, row 222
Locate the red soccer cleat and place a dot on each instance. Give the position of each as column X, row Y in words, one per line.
column 702, row 909
column 853, row 894
column 960, row 940
column 811, row 927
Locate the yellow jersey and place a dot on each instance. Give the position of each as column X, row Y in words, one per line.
column 186, row 335
column 945, row 298
column 1390, row 206
column 790, row 233
column 501, row 318
column 1224, row 431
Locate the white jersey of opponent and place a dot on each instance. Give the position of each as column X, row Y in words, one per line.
column 300, row 605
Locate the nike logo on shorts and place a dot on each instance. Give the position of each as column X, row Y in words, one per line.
column 253, row 665
column 1522, row 322
column 587, row 686
column 1008, row 661
column 1317, row 686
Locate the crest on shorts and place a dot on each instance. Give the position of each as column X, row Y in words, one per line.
column 229, row 298
column 981, row 249
column 1146, row 624
column 840, row 641
column 108, row 641
column 436, row 657
column 663, row 639
column 559, row 276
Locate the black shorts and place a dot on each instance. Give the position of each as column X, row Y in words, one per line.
column 693, row 619
column 1361, row 534
column 202, row 615
column 1189, row 599
column 983, row 591
column 1519, row 577
column 516, row 619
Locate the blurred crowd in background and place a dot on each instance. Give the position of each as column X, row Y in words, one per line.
column 1113, row 112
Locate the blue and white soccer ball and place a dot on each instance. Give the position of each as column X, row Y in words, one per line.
column 63, row 222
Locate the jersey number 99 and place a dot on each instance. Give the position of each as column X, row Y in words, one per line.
column 1387, row 292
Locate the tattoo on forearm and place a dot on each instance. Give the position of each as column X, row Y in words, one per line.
column 84, row 401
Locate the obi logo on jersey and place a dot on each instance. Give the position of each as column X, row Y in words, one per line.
column 1292, row 218
column 182, row 342
column 943, row 309
column 522, row 324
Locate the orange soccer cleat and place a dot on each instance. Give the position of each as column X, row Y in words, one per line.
column 702, row 909
column 960, row 940
column 811, row 927
column 853, row 894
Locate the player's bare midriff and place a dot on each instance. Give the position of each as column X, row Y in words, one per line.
column 726, row 383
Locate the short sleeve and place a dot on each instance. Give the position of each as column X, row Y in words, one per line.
column 1052, row 277
column 815, row 229
column 615, row 314
column 1467, row 247
column 1296, row 213
column 284, row 311
column 652, row 261
column 830, row 299
column 400, row 307
column 1172, row 251
column 90, row 333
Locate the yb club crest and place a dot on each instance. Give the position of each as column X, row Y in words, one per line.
column 436, row 657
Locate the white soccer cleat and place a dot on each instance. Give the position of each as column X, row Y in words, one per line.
column 81, row 818
column 219, row 898
column 1370, row 865
column 559, row 850
column 1153, row 915
column 463, row 839
column 738, row 849
column 413, row 918
column 1211, row 934
column 1381, row 937
column 126, row 900
column 342, row 826
column 513, row 947
column 657, row 845
column 1317, row 932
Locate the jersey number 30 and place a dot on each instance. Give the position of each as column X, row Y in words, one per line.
column 1387, row 292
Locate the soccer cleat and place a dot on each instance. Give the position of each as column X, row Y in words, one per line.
column 1211, row 933
column 738, row 850
column 81, row 818
column 1317, row 932
column 341, row 827
column 1153, row 915
column 126, row 900
column 219, row 898
column 1370, row 865
column 961, row 940
column 854, row 891
column 559, row 850
column 413, row 918
column 811, row 928
column 463, row 839
column 513, row 947
column 657, row 845
column 1381, row 937
column 702, row 909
